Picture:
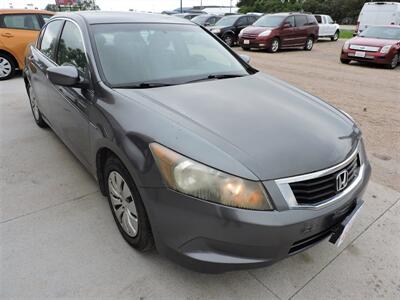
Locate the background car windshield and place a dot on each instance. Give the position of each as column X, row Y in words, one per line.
column 227, row 21
column 382, row 33
column 200, row 19
column 131, row 54
column 269, row 21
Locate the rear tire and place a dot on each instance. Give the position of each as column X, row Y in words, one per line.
column 129, row 213
column 335, row 37
column 275, row 45
column 309, row 44
column 345, row 61
column 7, row 66
column 37, row 115
column 393, row 64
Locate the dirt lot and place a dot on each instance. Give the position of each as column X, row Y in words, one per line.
column 370, row 94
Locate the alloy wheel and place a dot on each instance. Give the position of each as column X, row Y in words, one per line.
column 275, row 45
column 309, row 44
column 228, row 40
column 123, row 204
column 395, row 61
column 336, row 36
column 5, row 67
column 35, row 108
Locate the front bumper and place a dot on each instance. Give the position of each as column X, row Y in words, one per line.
column 213, row 238
column 257, row 43
column 374, row 57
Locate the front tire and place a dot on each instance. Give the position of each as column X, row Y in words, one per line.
column 345, row 61
column 37, row 115
column 275, row 45
column 309, row 44
column 7, row 66
column 229, row 39
column 393, row 64
column 127, row 206
column 335, row 37
column 246, row 48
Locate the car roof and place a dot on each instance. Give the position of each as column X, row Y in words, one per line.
column 25, row 11
column 104, row 17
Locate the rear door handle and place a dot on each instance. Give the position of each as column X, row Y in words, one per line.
column 7, row 34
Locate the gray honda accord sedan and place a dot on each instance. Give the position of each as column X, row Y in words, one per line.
column 217, row 165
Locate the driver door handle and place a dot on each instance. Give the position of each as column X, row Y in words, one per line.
column 7, row 34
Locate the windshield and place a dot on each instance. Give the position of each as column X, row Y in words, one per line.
column 200, row 19
column 387, row 33
column 269, row 21
column 161, row 54
column 227, row 21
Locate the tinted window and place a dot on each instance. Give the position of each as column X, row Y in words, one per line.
column 290, row 20
column 227, row 21
column 28, row 21
column 242, row 21
column 301, row 21
column 70, row 49
column 131, row 54
column 319, row 19
column 312, row 20
column 49, row 39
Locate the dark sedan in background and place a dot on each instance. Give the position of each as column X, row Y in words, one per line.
column 206, row 20
column 376, row 44
column 219, row 165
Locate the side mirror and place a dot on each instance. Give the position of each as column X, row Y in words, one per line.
column 246, row 58
column 287, row 25
column 63, row 75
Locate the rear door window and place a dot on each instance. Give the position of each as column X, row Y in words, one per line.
column 242, row 21
column 290, row 20
column 318, row 18
column 21, row 21
column 301, row 21
column 48, row 41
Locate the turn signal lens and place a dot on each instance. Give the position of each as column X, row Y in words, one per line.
column 192, row 178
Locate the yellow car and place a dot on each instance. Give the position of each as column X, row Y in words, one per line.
column 18, row 28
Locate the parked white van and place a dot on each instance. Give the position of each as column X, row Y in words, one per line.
column 378, row 13
column 327, row 27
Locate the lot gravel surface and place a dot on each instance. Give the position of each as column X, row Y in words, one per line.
column 370, row 94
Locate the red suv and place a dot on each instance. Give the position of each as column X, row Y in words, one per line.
column 278, row 31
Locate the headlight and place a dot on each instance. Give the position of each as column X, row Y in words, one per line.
column 241, row 32
column 386, row 49
column 265, row 33
column 192, row 178
column 346, row 45
column 215, row 30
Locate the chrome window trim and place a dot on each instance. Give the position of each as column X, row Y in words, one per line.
column 284, row 187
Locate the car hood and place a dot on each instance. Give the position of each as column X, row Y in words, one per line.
column 256, row 29
column 270, row 127
column 372, row 42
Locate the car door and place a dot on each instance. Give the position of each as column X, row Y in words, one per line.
column 71, row 105
column 241, row 23
column 42, row 56
column 17, row 31
column 288, row 34
column 301, row 30
column 321, row 24
column 330, row 26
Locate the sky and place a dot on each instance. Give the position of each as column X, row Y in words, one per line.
column 139, row 5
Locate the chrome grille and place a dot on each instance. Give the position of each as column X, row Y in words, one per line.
column 364, row 48
column 320, row 189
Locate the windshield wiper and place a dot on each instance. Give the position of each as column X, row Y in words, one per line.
column 216, row 76
column 144, row 85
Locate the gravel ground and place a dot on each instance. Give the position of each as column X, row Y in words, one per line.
column 370, row 94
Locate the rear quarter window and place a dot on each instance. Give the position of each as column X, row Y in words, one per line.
column 49, row 38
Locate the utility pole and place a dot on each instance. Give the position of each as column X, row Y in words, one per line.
column 230, row 7
column 181, row 7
